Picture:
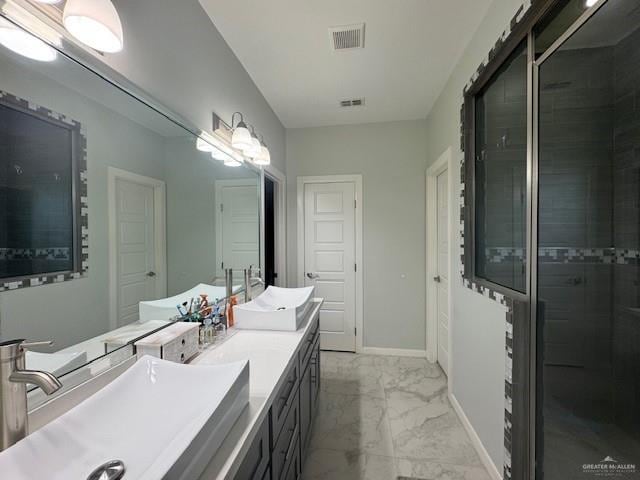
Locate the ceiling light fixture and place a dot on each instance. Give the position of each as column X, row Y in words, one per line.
column 95, row 23
column 264, row 157
column 23, row 43
column 241, row 138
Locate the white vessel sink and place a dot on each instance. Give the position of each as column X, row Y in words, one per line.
column 57, row 363
column 162, row 419
column 165, row 308
column 275, row 309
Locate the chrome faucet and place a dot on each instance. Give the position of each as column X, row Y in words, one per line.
column 14, row 378
column 248, row 282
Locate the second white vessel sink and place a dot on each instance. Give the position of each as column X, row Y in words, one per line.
column 161, row 419
column 275, row 309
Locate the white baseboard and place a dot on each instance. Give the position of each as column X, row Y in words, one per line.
column 494, row 473
column 396, row 352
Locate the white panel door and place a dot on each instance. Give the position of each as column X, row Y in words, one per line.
column 240, row 228
column 329, row 263
column 443, row 270
column 135, row 248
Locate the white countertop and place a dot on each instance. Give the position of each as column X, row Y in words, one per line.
column 269, row 354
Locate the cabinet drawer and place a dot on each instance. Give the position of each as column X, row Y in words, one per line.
column 305, row 407
column 181, row 349
column 307, row 342
column 314, row 370
column 284, row 400
column 256, row 460
column 294, row 468
column 286, row 446
column 267, row 474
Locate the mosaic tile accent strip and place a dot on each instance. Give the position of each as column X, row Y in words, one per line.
column 606, row 256
column 83, row 219
column 507, row 302
column 59, row 253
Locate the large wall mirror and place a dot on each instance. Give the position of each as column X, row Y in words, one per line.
column 110, row 216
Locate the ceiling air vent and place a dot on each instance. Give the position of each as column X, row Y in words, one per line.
column 354, row 102
column 347, row 37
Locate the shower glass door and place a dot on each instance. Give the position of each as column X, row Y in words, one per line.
column 588, row 249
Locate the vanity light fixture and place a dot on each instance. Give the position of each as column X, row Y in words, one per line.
column 95, row 23
column 218, row 149
column 241, row 138
column 254, row 151
column 19, row 41
column 232, row 162
column 264, row 158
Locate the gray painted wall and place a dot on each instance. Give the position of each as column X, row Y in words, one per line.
column 478, row 323
column 391, row 158
column 174, row 52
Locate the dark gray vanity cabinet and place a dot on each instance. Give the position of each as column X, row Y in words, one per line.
column 255, row 465
column 309, row 388
column 277, row 452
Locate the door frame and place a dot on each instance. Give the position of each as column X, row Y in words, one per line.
column 218, row 185
column 160, row 234
column 442, row 164
column 359, row 299
column 280, row 242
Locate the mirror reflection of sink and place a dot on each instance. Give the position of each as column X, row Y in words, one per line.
column 165, row 308
column 162, row 419
column 57, row 363
column 275, row 309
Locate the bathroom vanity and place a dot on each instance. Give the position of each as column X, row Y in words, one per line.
column 270, row 438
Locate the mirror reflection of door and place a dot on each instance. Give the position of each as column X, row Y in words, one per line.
column 270, row 273
column 238, row 225
column 136, row 266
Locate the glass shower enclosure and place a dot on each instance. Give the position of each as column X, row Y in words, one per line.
column 586, row 275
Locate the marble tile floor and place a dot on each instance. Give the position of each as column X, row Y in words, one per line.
column 387, row 418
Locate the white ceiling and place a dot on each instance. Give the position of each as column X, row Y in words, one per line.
column 411, row 47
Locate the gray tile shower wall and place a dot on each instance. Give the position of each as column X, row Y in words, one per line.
column 626, row 231
column 575, row 225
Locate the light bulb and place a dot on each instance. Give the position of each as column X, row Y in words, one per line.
column 95, row 23
column 591, row 3
column 241, row 138
column 23, row 43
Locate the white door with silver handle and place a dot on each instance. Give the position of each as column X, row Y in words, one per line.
column 329, row 259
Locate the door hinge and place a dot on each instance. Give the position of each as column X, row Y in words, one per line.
column 222, row 207
column 355, row 267
column 355, row 203
column 355, row 331
column 222, row 265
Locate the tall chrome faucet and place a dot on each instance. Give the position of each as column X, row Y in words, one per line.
column 14, row 378
column 249, row 278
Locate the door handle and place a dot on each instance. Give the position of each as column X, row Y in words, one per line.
column 437, row 278
column 151, row 274
column 312, row 276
